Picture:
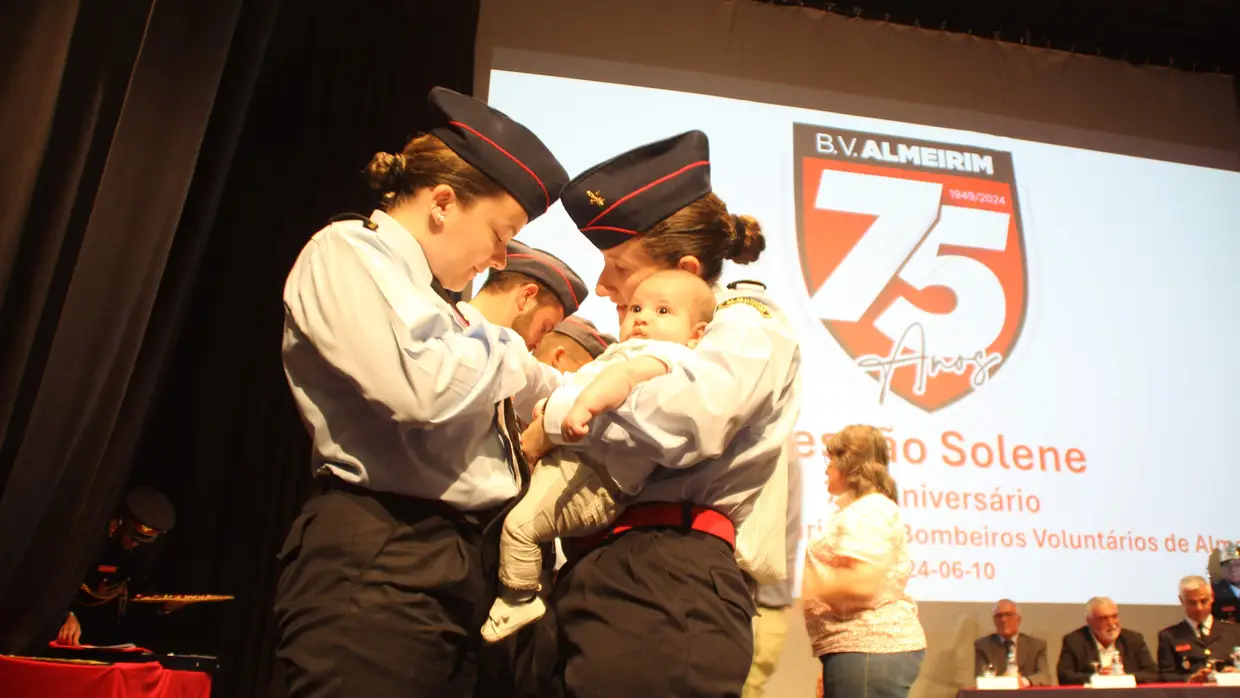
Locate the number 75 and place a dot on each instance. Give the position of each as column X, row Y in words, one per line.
column 909, row 228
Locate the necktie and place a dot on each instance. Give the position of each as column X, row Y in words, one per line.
column 510, row 432
column 507, row 425
column 505, row 415
column 1202, row 630
column 1007, row 649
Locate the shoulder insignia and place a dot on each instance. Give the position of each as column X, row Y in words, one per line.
column 366, row 222
column 746, row 282
column 746, row 300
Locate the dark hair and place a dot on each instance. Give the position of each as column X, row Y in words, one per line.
column 500, row 281
column 705, row 229
column 861, row 455
column 427, row 162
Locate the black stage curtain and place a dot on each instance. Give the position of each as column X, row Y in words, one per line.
column 106, row 106
column 164, row 162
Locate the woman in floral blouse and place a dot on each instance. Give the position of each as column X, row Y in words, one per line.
column 862, row 623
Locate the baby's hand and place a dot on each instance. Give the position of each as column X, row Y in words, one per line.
column 576, row 424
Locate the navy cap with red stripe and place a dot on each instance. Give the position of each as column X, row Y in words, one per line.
column 627, row 195
column 150, row 507
column 550, row 271
column 500, row 148
column 583, row 332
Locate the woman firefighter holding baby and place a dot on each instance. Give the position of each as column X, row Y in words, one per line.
column 656, row 603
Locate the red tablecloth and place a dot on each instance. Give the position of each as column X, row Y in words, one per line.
column 31, row 678
column 1146, row 690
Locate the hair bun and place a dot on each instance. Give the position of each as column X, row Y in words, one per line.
column 384, row 173
column 747, row 241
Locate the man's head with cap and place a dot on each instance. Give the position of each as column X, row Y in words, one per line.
column 1229, row 562
column 572, row 344
column 533, row 293
column 147, row 515
column 653, row 208
column 467, row 186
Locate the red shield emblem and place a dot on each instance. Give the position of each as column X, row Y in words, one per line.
column 913, row 256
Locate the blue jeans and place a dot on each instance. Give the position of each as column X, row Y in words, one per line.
column 860, row 675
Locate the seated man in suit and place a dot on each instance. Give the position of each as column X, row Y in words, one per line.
column 1186, row 649
column 1101, row 640
column 1227, row 590
column 1031, row 663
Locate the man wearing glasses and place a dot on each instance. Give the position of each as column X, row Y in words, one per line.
column 993, row 650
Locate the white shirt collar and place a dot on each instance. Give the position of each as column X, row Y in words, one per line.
column 471, row 314
column 404, row 244
column 1208, row 623
column 1106, row 655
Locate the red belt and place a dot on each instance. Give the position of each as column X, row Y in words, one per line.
column 657, row 514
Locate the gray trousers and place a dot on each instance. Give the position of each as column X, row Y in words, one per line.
column 566, row 498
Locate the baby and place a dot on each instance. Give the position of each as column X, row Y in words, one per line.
column 663, row 321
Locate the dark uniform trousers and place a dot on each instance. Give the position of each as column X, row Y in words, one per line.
column 382, row 596
column 379, row 598
column 654, row 612
column 523, row 664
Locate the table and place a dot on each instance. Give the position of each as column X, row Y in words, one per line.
column 23, row 677
column 1147, row 690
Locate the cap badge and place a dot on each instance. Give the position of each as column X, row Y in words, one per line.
column 596, row 198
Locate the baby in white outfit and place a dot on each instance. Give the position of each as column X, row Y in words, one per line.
column 667, row 315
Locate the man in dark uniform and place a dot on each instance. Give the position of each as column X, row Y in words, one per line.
column 1186, row 649
column 572, row 344
column 531, row 295
column 121, row 570
column 1227, row 590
